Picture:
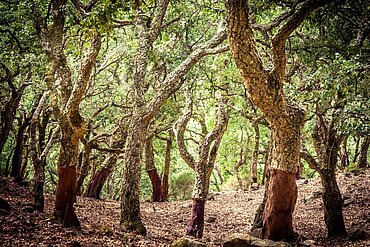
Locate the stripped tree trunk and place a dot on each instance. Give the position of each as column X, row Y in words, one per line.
column 150, row 168
column 203, row 167
column 97, row 181
column 145, row 107
column 66, row 96
column 265, row 87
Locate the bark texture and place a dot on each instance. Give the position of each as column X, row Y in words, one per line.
column 145, row 106
column 154, row 177
column 203, row 166
column 196, row 224
column 265, row 88
column 66, row 95
column 96, row 183
column 362, row 163
column 326, row 142
column 8, row 112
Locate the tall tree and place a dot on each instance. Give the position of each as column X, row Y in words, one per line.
column 146, row 104
column 326, row 141
column 265, row 87
column 40, row 146
column 203, row 166
column 66, row 94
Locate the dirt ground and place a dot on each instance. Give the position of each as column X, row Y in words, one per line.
column 229, row 212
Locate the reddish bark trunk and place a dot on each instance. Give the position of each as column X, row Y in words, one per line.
column 65, row 196
column 155, row 179
column 282, row 196
column 196, row 224
column 96, row 184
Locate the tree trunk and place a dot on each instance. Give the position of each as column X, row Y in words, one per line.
column 344, row 155
column 332, row 205
column 18, row 151
column 256, row 151
column 278, row 212
column 98, row 178
column 10, row 108
column 84, row 168
column 96, row 183
column 155, row 179
column 356, row 152
column 166, row 169
column 266, row 90
column 65, row 196
column 130, row 186
column 326, row 142
column 196, row 224
column 362, row 163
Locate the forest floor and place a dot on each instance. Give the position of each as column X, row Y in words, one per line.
column 228, row 213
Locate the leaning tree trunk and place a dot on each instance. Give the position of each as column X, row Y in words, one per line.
column 154, row 177
column 265, row 87
column 97, row 181
column 362, row 163
column 18, row 154
column 84, row 168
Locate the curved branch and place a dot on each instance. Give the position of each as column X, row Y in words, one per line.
column 179, row 128
column 278, row 41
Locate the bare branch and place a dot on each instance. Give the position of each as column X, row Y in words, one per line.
column 278, row 41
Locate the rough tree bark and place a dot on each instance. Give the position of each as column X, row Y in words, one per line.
column 99, row 177
column 166, row 168
column 7, row 113
column 89, row 145
column 66, row 101
column 326, row 143
column 145, row 107
column 265, row 88
column 18, row 155
column 256, row 152
column 39, row 149
column 344, row 155
column 150, row 168
column 243, row 156
column 362, row 162
column 208, row 147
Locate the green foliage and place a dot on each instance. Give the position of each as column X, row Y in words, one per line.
column 181, row 185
